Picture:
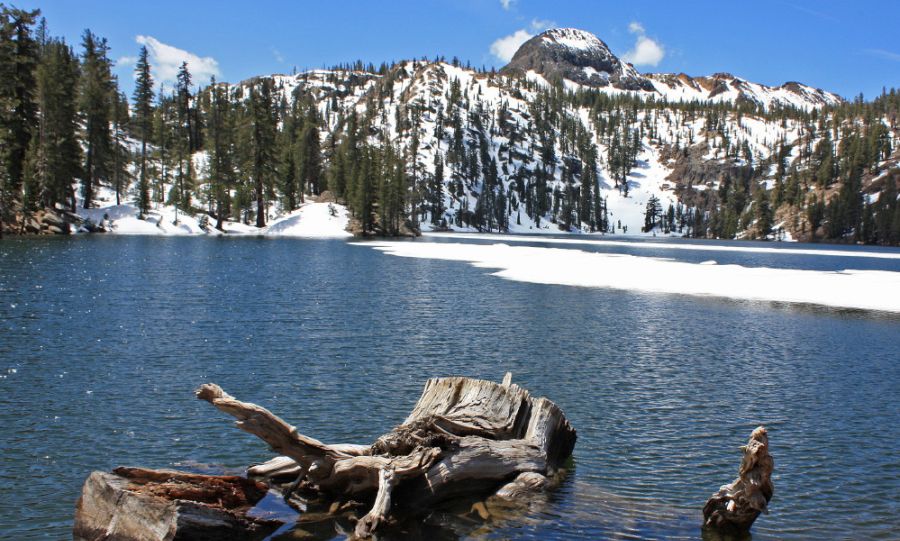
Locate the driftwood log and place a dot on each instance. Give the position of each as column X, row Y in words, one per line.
column 134, row 504
column 736, row 506
column 463, row 437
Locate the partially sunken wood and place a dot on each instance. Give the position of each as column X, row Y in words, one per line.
column 463, row 437
column 736, row 505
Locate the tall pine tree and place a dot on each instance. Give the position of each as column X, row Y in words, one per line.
column 96, row 105
column 143, row 121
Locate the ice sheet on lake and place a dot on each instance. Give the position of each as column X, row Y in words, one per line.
column 858, row 289
column 666, row 246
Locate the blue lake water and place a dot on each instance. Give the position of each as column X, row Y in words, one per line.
column 104, row 339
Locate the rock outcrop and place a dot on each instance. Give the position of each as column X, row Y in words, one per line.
column 577, row 56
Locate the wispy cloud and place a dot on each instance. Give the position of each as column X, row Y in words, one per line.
column 539, row 25
column 646, row 51
column 881, row 53
column 507, row 4
column 165, row 60
column 278, row 56
column 127, row 61
column 813, row 12
column 504, row 48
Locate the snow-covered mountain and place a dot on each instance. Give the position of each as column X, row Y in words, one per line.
column 725, row 87
column 499, row 121
column 531, row 155
column 511, row 121
column 579, row 58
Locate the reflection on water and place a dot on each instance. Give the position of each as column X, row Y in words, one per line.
column 103, row 340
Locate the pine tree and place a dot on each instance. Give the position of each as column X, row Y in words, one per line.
column 652, row 213
column 763, row 213
column 97, row 95
column 184, row 139
column 436, row 192
column 121, row 153
column 18, row 109
column 585, row 198
column 310, row 154
column 262, row 145
column 887, row 212
column 362, row 200
column 54, row 156
column 220, row 144
column 143, row 121
column 287, row 152
column 165, row 139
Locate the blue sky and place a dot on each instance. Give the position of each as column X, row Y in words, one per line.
column 847, row 47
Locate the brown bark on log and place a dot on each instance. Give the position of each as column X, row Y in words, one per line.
column 737, row 505
column 463, row 436
column 133, row 504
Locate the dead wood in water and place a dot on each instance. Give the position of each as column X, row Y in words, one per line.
column 464, row 437
column 737, row 505
column 135, row 504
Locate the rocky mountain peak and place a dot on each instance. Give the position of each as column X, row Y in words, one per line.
column 577, row 56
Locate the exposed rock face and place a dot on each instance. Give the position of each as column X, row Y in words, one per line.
column 691, row 168
column 576, row 55
column 133, row 504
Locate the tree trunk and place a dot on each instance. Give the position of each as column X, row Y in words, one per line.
column 735, row 506
column 88, row 192
column 260, row 203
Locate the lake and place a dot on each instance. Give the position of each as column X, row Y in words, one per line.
column 103, row 340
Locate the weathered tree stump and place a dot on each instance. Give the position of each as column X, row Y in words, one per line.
column 463, row 437
column 735, row 506
column 133, row 504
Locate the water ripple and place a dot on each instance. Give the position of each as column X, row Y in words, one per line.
column 102, row 341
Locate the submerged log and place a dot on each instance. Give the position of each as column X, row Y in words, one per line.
column 463, row 437
column 736, row 506
column 134, row 504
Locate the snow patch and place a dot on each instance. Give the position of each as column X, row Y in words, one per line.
column 313, row 220
column 573, row 38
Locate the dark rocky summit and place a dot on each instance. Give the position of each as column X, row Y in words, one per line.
column 578, row 56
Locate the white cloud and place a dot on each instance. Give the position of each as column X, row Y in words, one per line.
column 505, row 47
column 127, row 61
column 507, row 4
column 165, row 60
column 278, row 56
column 646, row 51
